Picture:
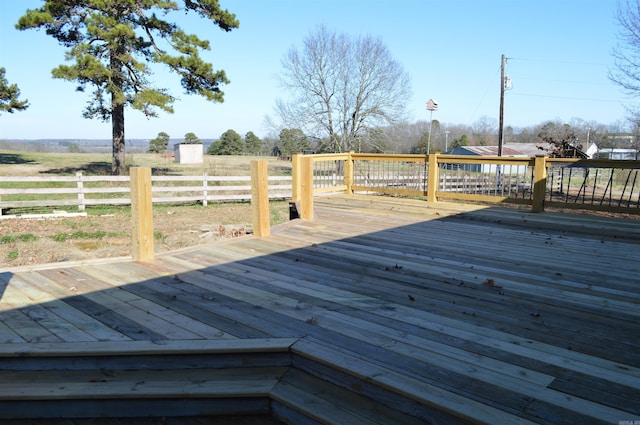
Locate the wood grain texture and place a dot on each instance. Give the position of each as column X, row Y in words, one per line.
column 142, row 245
column 483, row 314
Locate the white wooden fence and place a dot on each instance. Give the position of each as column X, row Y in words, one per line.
column 79, row 191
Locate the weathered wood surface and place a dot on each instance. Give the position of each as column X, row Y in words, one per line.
column 489, row 315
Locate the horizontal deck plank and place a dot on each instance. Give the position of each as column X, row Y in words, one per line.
column 140, row 348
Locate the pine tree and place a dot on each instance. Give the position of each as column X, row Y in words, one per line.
column 292, row 140
column 111, row 43
column 9, row 96
column 160, row 143
column 191, row 139
column 252, row 143
column 230, row 143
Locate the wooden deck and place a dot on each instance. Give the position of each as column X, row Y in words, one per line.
column 446, row 313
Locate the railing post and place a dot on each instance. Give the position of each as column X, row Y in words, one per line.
column 539, row 183
column 141, row 214
column 295, row 177
column 306, row 188
column 349, row 173
column 80, row 186
column 260, row 198
column 433, row 178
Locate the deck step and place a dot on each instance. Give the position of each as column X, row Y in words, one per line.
column 122, row 384
column 322, row 402
column 40, row 410
column 147, row 355
column 119, row 350
column 117, row 393
column 403, row 392
column 299, row 381
column 140, row 378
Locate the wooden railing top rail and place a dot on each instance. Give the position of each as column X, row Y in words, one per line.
column 326, row 156
column 625, row 164
column 468, row 159
column 388, row 157
column 498, row 160
column 611, row 185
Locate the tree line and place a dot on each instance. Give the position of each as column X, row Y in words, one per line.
column 290, row 141
column 412, row 138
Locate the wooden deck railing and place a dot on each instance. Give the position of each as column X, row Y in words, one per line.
column 607, row 185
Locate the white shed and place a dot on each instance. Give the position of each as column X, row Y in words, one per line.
column 189, row 153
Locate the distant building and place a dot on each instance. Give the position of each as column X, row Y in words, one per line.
column 188, row 153
column 514, row 150
column 618, row 153
column 485, row 151
column 517, row 150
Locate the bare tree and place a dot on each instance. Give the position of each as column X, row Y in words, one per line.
column 342, row 87
column 484, row 131
column 560, row 140
column 626, row 72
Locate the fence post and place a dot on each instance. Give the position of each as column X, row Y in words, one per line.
column 141, row 214
column 349, row 173
column 80, row 186
column 539, row 183
column 295, row 177
column 260, row 198
column 205, row 192
column 433, row 178
column 306, row 188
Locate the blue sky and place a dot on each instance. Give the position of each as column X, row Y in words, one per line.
column 560, row 54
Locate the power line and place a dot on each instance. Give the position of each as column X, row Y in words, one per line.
column 563, row 81
column 560, row 61
column 569, row 97
column 486, row 90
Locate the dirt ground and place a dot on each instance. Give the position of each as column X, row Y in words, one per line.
column 26, row 242
column 39, row 241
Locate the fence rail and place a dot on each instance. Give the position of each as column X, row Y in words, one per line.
column 79, row 191
column 607, row 185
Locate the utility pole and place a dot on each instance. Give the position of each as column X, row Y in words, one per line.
column 501, row 121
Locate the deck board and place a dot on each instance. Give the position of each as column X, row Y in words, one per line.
column 534, row 316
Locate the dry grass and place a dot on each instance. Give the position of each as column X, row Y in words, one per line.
column 29, row 241
column 16, row 163
column 106, row 232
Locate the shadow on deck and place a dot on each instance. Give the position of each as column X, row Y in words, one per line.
column 381, row 311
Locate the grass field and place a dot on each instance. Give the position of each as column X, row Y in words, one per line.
column 16, row 163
